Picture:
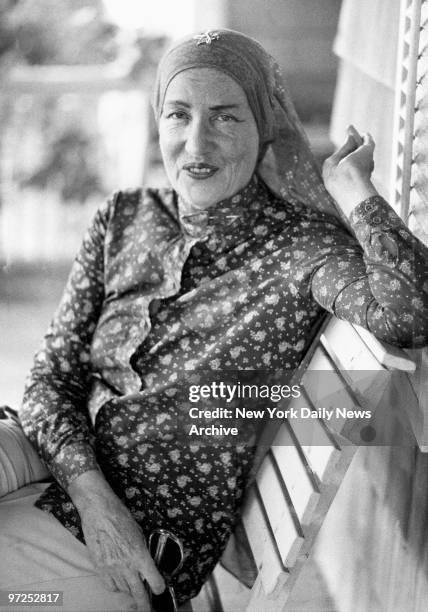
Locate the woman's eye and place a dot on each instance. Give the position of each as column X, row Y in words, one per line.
column 225, row 118
column 176, row 115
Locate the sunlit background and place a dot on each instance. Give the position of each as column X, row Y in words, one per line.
column 76, row 123
column 161, row 17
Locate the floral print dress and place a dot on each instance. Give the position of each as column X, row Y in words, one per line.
column 155, row 296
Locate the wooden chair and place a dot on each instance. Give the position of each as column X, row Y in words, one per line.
column 301, row 465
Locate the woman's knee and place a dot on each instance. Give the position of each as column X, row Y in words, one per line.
column 19, row 462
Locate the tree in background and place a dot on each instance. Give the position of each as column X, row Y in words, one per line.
column 69, row 165
column 69, row 32
column 63, row 149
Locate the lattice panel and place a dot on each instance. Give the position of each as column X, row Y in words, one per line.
column 418, row 201
column 410, row 175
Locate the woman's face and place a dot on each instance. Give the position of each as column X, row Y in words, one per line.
column 208, row 137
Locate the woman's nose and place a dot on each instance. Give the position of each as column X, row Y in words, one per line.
column 199, row 139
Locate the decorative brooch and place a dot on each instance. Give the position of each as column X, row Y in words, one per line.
column 206, row 38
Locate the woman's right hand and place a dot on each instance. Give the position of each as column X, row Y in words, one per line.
column 115, row 541
column 347, row 173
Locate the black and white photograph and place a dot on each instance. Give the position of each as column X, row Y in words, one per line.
column 213, row 305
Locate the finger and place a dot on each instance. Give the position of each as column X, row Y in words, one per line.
column 368, row 140
column 137, row 590
column 348, row 147
column 150, row 572
column 109, row 582
column 355, row 135
column 122, row 584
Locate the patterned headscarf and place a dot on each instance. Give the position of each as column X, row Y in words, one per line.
column 286, row 163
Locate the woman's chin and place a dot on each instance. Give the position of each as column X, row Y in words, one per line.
column 200, row 196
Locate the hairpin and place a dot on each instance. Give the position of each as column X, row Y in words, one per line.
column 206, row 38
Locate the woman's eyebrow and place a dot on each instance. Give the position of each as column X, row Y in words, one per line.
column 177, row 102
column 224, row 106
column 216, row 107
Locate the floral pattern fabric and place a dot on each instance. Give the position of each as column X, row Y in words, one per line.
column 155, row 295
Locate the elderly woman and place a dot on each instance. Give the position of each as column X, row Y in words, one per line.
column 229, row 269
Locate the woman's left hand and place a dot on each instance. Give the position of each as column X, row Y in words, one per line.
column 347, row 173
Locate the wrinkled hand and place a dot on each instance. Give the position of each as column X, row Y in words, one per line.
column 115, row 541
column 347, row 173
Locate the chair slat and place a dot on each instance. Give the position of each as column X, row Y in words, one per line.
column 287, row 535
column 295, row 473
column 262, row 542
column 365, row 375
column 328, row 391
column 347, row 348
column 319, row 448
column 388, row 355
column 232, row 594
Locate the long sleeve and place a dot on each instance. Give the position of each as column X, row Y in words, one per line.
column 54, row 412
column 381, row 282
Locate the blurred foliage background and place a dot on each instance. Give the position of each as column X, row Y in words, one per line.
column 69, row 32
column 60, row 133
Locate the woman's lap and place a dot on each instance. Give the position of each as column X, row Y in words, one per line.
column 42, row 555
column 37, row 552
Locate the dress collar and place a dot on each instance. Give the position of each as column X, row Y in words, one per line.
column 226, row 215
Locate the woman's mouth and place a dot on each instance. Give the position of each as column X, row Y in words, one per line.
column 200, row 171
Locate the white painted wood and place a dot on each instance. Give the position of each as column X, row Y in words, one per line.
column 388, row 355
column 203, row 602
column 318, row 447
column 366, row 377
column 298, row 479
column 283, row 525
column 276, row 600
column 343, row 342
column 262, row 543
column 232, row 594
column 405, row 97
column 327, row 390
column 321, row 458
column 320, row 361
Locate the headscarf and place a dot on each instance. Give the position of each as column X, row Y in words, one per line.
column 286, row 163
